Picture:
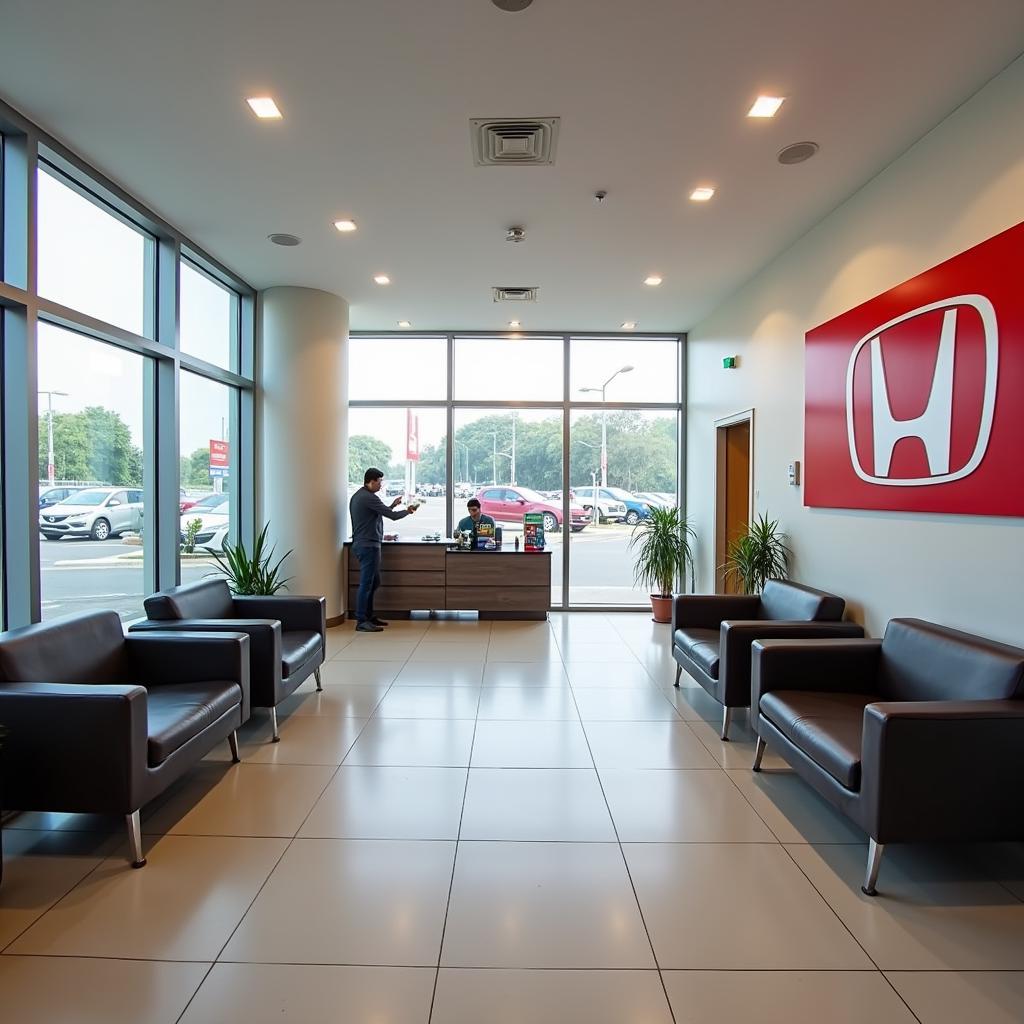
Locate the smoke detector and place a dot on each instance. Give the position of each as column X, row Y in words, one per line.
column 515, row 235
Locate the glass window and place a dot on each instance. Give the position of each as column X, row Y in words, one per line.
column 624, row 370
column 409, row 446
column 208, row 453
column 640, row 452
column 509, row 369
column 388, row 369
column 209, row 318
column 520, row 449
column 89, row 259
column 90, row 442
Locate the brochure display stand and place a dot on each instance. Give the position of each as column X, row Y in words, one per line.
column 533, row 531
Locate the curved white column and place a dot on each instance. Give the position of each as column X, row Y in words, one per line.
column 301, row 461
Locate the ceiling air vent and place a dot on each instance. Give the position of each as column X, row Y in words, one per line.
column 507, row 294
column 529, row 140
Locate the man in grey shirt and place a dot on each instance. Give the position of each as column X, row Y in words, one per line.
column 368, row 513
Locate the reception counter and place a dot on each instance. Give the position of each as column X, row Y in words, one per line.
column 434, row 576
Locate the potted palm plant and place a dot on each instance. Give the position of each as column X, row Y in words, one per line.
column 758, row 556
column 255, row 573
column 663, row 552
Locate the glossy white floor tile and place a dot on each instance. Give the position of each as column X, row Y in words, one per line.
column 529, row 816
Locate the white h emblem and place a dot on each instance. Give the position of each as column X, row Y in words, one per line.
column 935, row 425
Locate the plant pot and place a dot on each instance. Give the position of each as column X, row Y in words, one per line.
column 662, row 607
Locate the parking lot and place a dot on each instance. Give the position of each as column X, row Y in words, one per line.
column 85, row 574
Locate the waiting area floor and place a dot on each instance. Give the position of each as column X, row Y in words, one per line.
column 483, row 823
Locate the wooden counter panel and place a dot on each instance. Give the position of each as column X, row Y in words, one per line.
column 402, row 598
column 481, row 569
column 404, row 578
column 497, row 599
column 411, row 557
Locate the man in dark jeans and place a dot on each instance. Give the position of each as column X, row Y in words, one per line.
column 368, row 513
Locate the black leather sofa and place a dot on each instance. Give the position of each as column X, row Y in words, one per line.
column 712, row 634
column 288, row 635
column 101, row 723
column 917, row 737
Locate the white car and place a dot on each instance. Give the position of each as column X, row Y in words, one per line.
column 214, row 515
column 608, row 507
column 94, row 512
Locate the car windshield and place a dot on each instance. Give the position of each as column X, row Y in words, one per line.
column 209, row 503
column 531, row 495
column 94, row 497
column 620, row 494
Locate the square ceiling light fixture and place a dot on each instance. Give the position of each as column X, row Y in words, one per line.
column 526, row 141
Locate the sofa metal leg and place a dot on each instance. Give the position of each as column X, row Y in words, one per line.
column 275, row 735
column 758, row 754
column 679, row 672
column 134, row 823
column 726, row 722
column 875, row 851
column 233, row 741
column 319, row 686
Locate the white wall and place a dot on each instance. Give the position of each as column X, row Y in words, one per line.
column 961, row 184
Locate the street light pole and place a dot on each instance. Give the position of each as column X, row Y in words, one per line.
column 604, row 421
column 50, row 468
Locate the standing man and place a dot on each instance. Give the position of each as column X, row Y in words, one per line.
column 368, row 513
column 474, row 519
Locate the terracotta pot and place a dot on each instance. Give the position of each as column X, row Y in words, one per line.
column 662, row 607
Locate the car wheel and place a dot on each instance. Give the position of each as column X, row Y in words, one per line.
column 578, row 529
column 550, row 523
column 632, row 517
column 100, row 530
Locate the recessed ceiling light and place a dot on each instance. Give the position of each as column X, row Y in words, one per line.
column 514, row 323
column 264, row 107
column 404, row 323
column 653, row 281
column 702, row 194
column 766, row 106
column 381, row 279
column 345, row 225
column 629, row 325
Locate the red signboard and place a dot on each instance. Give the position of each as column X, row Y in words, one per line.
column 412, row 444
column 914, row 401
column 218, row 454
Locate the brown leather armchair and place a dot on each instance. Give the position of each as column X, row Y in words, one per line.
column 101, row 723
column 916, row 737
column 712, row 634
column 287, row 634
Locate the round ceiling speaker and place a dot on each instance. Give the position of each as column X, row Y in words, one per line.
column 280, row 238
column 511, row 5
column 798, row 152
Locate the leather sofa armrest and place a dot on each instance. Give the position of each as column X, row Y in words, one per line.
column 66, row 740
column 176, row 657
column 838, row 666
column 306, row 614
column 738, row 637
column 943, row 769
column 707, row 611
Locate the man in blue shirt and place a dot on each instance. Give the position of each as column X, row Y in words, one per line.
column 474, row 519
column 368, row 513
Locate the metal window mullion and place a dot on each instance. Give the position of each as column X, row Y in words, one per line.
column 160, row 553
column 566, row 514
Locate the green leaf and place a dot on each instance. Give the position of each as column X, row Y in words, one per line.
column 662, row 543
column 758, row 556
column 251, row 574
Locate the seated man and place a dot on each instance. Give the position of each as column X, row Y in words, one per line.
column 475, row 519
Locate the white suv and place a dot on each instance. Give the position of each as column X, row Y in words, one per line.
column 95, row 512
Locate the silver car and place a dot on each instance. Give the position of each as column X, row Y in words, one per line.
column 96, row 512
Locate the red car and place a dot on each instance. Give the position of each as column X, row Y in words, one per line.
column 507, row 505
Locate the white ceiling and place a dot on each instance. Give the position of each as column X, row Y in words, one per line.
column 378, row 94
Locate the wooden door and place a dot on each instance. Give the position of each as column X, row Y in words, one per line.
column 732, row 499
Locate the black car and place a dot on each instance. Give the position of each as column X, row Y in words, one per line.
column 55, row 495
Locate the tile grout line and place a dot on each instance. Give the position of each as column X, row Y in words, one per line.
column 458, row 836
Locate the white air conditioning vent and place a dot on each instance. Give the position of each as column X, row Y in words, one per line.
column 509, row 294
column 526, row 141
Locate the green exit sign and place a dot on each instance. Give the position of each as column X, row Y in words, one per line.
column 729, row 363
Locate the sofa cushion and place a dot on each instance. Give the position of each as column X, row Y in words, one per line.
column 825, row 726
column 923, row 661
column 793, row 602
column 701, row 646
column 207, row 599
column 296, row 649
column 179, row 711
column 84, row 648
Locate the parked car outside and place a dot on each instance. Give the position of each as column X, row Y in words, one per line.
column 214, row 515
column 656, row 500
column 392, row 488
column 609, row 508
column 185, row 502
column 509, row 504
column 637, row 508
column 55, row 495
column 95, row 512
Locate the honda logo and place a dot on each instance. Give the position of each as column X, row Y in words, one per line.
column 934, row 425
